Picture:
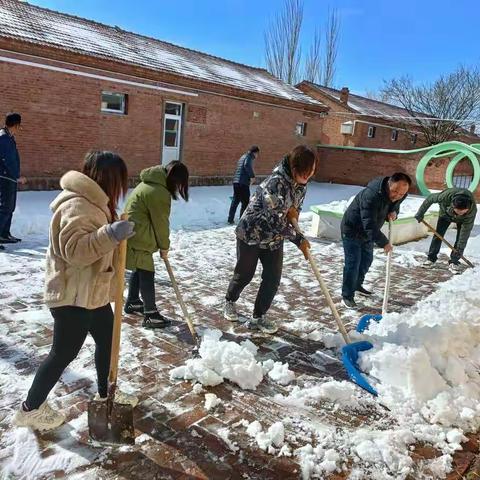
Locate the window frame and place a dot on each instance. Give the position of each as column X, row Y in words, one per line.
column 302, row 132
column 394, row 135
column 371, row 131
column 124, row 103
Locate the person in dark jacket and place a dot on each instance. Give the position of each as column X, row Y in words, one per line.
column 361, row 224
column 262, row 230
column 9, row 176
column 457, row 205
column 148, row 207
column 241, row 182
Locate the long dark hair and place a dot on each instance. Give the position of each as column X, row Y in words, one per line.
column 177, row 179
column 110, row 172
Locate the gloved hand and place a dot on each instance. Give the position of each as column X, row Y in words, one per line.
column 305, row 247
column 419, row 217
column 164, row 254
column 121, row 230
column 292, row 214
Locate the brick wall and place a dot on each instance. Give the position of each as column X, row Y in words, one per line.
column 62, row 121
column 355, row 167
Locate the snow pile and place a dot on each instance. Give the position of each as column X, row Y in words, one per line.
column 278, row 372
column 269, row 439
column 317, row 461
column 211, row 401
column 427, row 361
column 342, row 394
column 222, row 360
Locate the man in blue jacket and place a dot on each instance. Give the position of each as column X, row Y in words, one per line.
column 361, row 224
column 241, row 182
column 9, row 175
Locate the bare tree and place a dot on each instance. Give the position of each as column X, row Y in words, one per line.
column 440, row 109
column 332, row 32
column 282, row 42
column 313, row 62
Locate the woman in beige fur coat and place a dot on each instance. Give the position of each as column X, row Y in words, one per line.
column 84, row 233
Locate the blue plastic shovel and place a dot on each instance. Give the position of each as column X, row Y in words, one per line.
column 351, row 350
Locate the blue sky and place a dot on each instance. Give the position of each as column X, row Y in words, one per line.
column 380, row 39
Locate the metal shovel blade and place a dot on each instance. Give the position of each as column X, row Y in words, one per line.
column 114, row 426
column 350, row 362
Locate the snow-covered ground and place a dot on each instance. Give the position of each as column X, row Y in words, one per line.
column 424, row 363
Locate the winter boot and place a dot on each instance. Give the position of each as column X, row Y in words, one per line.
column 428, row 263
column 134, row 307
column 455, row 268
column 42, row 418
column 121, row 397
column 155, row 320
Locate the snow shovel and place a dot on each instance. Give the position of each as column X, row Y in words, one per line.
column 351, row 349
column 108, row 421
column 186, row 315
column 364, row 322
column 447, row 243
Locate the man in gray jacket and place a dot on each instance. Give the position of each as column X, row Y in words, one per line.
column 241, row 182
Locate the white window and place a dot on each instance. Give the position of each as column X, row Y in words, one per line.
column 114, row 102
column 301, row 129
column 172, row 130
column 371, row 131
column 413, row 138
column 394, row 136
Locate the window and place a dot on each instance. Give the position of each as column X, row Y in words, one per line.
column 371, row 131
column 394, row 136
column 173, row 108
column 114, row 102
column 301, row 129
column 413, row 138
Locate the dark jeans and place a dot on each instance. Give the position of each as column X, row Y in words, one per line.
column 247, row 259
column 70, row 329
column 241, row 194
column 442, row 226
column 8, row 201
column 142, row 282
column 358, row 258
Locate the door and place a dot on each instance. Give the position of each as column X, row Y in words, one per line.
column 172, row 129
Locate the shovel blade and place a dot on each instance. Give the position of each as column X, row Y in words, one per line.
column 116, row 427
column 350, row 362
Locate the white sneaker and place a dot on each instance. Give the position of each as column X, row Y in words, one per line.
column 428, row 263
column 230, row 311
column 121, row 397
column 455, row 268
column 43, row 418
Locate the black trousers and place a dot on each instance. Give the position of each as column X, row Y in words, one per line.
column 142, row 282
column 241, row 194
column 247, row 260
column 8, row 201
column 442, row 226
column 70, row 329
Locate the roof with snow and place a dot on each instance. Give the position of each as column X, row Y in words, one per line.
column 21, row 21
column 364, row 105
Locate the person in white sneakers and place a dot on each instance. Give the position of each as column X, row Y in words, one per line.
column 84, row 233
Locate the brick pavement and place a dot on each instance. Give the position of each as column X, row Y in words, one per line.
column 177, row 437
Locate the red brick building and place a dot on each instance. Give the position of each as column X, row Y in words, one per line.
column 360, row 122
column 81, row 85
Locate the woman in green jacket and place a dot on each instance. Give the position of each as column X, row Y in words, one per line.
column 148, row 207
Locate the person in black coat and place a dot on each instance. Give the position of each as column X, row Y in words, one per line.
column 361, row 224
column 242, row 178
column 9, row 176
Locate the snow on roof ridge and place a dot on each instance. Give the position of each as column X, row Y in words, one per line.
column 21, row 3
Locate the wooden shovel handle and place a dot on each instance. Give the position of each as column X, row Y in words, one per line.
column 323, row 286
column 447, row 243
column 118, row 312
column 178, row 294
